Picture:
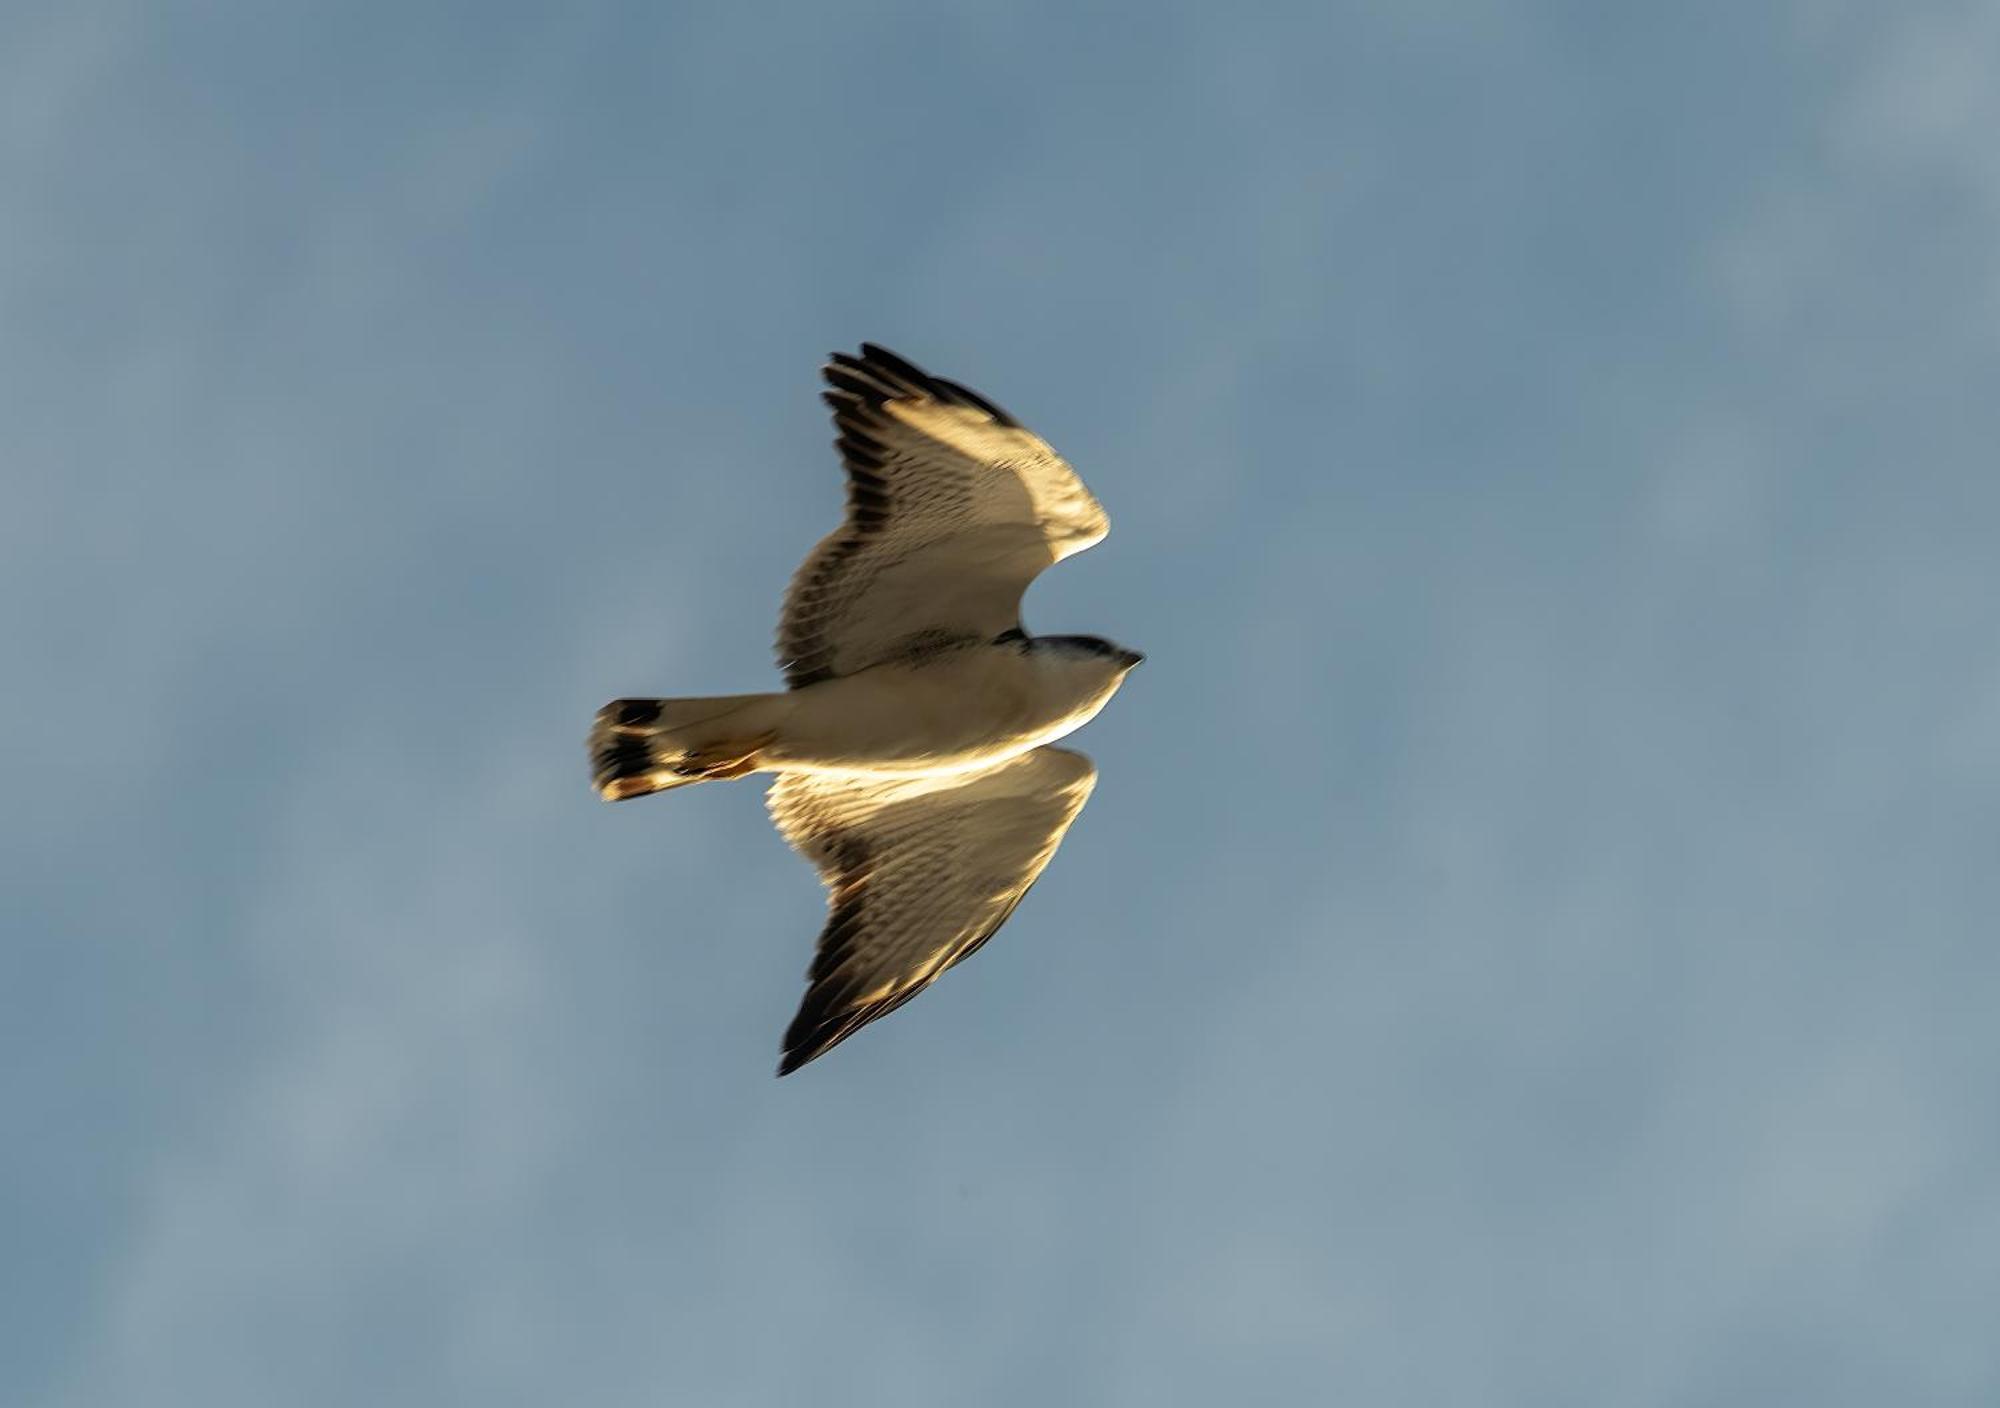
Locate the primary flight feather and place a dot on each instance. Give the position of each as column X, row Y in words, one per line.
column 911, row 748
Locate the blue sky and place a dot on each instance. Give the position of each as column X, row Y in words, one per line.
column 1533, row 938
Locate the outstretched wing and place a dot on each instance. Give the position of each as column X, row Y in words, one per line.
column 953, row 507
column 919, row 872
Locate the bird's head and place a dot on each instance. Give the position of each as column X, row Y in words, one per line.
column 1091, row 647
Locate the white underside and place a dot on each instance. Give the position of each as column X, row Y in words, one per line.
column 962, row 713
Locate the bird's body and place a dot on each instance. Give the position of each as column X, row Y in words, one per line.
column 952, row 710
column 957, row 711
column 912, row 747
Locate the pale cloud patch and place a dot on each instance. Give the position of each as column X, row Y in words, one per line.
column 403, row 1112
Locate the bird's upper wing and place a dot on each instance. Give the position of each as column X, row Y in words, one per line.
column 919, row 872
column 953, row 507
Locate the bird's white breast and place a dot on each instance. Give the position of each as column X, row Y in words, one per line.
column 959, row 712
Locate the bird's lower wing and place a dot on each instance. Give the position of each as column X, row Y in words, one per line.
column 919, row 873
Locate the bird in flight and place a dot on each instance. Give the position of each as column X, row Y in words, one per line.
column 912, row 747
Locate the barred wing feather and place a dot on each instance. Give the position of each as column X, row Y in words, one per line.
column 953, row 508
column 920, row 871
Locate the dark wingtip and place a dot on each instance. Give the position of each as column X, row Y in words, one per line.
column 813, row 1032
column 881, row 375
column 824, row 1019
column 803, row 1048
column 882, row 357
column 965, row 396
column 900, row 374
column 799, row 1049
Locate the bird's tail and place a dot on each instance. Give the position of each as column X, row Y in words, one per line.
column 648, row 745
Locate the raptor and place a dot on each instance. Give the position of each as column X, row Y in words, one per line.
column 913, row 746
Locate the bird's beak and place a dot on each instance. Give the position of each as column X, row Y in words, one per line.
column 1133, row 657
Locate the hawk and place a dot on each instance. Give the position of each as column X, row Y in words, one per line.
column 912, row 747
